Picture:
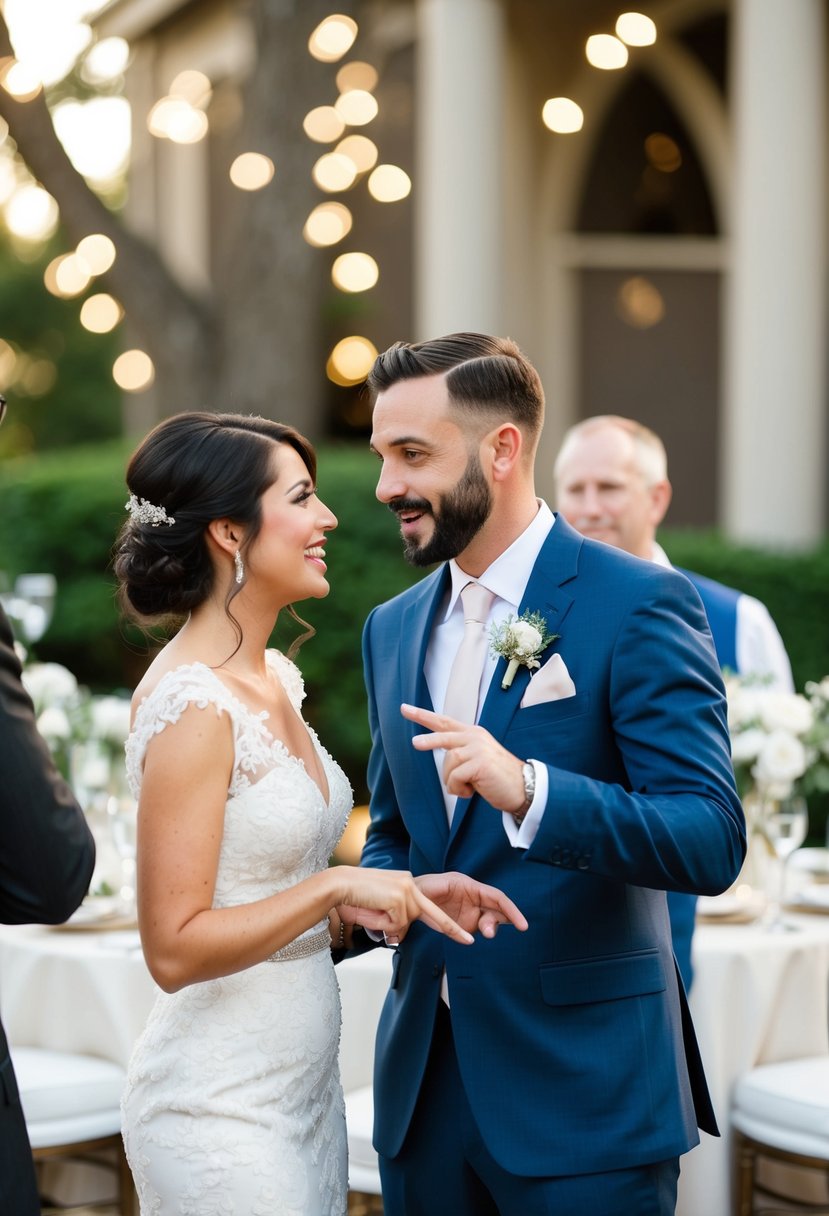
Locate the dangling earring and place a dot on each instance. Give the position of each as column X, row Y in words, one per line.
column 240, row 569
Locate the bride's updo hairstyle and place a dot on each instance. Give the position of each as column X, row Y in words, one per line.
column 194, row 468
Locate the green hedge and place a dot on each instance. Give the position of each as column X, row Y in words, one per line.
column 61, row 514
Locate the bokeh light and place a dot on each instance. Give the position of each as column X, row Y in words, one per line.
column 20, row 81
column 562, row 115
column 640, row 303
column 354, row 272
column 663, row 152
column 327, row 224
column 176, row 119
column 389, row 184
column 351, row 360
column 105, row 60
column 360, row 150
column 251, row 171
column 31, row 214
column 334, row 172
column 193, row 87
column 357, row 75
column 133, row 371
column 333, row 38
column 606, row 52
column 357, row 107
column 97, row 252
column 323, row 124
column 636, row 29
column 100, row 313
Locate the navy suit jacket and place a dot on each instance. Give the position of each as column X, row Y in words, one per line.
column 573, row 1039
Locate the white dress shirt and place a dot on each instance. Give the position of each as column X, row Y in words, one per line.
column 507, row 579
column 759, row 646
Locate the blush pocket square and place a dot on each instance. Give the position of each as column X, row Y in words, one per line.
column 550, row 683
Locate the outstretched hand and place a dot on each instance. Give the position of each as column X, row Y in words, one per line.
column 475, row 761
column 472, row 904
column 387, row 901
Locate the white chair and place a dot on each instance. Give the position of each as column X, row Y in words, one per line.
column 363, row 1172
column 781, row 1112
column 72, row 1109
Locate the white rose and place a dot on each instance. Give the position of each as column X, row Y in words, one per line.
column 47, row 683
column 786, row 711
column 53, row 724
column 782, row 759
column 743, row 704
column 746, row 745
column 526, row 638
column 110, row 719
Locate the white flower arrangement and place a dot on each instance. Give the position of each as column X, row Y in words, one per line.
column 85, row 733
column 779, row 741
column 520, row 641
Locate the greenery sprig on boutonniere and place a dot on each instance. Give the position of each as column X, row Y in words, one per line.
column 520, row 641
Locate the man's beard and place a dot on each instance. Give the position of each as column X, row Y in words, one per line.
column 459, row 518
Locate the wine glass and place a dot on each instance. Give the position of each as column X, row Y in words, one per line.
column 123, row 826
column 784, row 824
column 37, row 593
column 30, row 604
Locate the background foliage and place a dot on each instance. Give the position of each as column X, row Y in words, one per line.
column 61, row 513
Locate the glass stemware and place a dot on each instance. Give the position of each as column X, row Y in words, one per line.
column 31, row 603
column 123, row 826
column 784, row 824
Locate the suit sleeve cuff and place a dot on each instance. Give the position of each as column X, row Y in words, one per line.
column 522, row 835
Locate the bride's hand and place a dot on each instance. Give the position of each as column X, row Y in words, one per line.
column 387, row 901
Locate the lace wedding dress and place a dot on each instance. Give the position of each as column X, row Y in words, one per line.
column 233, row 1105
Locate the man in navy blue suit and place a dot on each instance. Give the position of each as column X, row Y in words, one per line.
column 612, row 485
column 555, row 1070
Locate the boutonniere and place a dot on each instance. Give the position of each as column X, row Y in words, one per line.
column 520, row 642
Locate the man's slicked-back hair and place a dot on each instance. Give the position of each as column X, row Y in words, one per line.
column 484, row 374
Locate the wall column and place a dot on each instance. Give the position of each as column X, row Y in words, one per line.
column 460, row 118
column 774, row 425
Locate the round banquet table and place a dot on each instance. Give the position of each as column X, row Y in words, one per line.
column 757, row 997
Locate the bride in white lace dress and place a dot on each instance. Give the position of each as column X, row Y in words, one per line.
column 233, row 1104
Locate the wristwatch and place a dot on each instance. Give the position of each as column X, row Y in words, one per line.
column 528, row 775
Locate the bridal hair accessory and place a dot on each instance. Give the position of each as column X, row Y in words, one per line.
column 240, row 569
column 520, row 642
column 144, row 512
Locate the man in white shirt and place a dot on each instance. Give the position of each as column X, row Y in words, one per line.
column 612, row 485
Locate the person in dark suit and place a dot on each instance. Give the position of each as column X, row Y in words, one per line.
column 47, row 855
column 611, row 476
column 554, row 1070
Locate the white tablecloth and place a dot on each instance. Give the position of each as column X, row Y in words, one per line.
column 757, row 997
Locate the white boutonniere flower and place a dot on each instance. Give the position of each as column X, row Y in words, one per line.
column 520, row 641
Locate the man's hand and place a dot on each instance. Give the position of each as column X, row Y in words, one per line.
column 475, row 762
column 478, row 908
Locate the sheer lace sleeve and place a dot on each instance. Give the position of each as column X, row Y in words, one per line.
column 174, row 693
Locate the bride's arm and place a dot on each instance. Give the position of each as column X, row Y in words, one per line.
column 180, row 823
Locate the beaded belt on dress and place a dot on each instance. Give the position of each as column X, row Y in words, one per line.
column 302, row 947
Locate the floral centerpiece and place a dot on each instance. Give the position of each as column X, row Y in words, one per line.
column 779, row 740
column 85, row 733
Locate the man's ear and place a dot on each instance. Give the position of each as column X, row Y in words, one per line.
column 226, row 535
column 661, row 493
column 505, row 445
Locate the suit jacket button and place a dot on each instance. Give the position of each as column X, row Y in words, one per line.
column 584, row 862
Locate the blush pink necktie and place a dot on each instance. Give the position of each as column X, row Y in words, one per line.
column 463, row 689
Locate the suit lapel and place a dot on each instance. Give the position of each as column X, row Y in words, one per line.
column 546, row 592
